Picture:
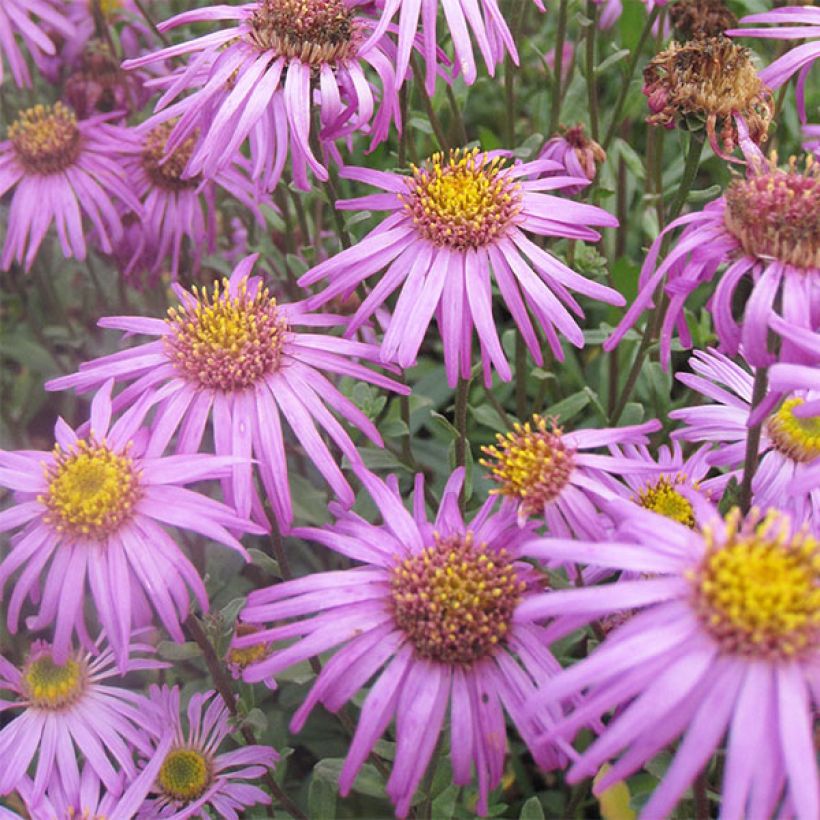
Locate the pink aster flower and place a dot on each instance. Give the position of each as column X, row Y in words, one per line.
column 467, row 21
column 29, row 20
column 577, row 154
column 432, row 611
column 178, row 207
column 790, row 23
column 789, row 443
column 92, row 512
column 233, row 355
column 785, row 377
column 547, row 473
column 453, row 222
column 262, row 77
column 764, row 228
column 70, row 708
column 194, row 775
column 62, row 170
column 725, row 643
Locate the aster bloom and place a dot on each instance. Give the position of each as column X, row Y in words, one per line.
column 92, row 512
column 466, row 20
column 61, row 170
column 708, row 84
column 431, row 610
column 790, row 23
column 547, row 472
column 725, row 642
column 29, row 20
column 452, row 222
column 766, row 227
column 677, row 491
column 177, row 206
column 578, row 155
column 789, row 443
column 784, row 377
column 231, row 354
column 262, row 77
column 194, row 775
column 69, row 707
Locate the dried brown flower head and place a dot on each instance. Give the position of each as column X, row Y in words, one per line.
column 703, row 84
column 701, row 18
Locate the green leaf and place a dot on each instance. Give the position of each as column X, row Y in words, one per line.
column 443, row 423
column 170, row 651
column 532, row 810
column 487, row 416
column 445, row 804
column 369, row 781
column 321, row 796
column 265, row 562
column 731, row 496
column 569, row 407
column 610, row 61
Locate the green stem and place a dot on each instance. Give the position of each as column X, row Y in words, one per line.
column 521, row 374
column 750, row 460
column 627, row 81
column 690, row 170
column 403, row 135
column 148, row 19
column 462, row 394
column 435, row 122
column 592, row 86
column 560, row 37
column 457, row 115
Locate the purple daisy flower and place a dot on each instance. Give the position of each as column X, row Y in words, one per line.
column 61, row 169
column 177, row 206
column 725, row 642
column 232, row 355
column 677, row 490
column 765, row 227
column 193, row 774
column 789, row 443
column 93, row 511
column 432, row 611
column 17, row 18
column 547, row 473
column 577, row 154
column 256, row 79
column 68, row 707
column 89, row 798
column 467, row 20
column 786, row 378
column 453, row 222
column 790, row 23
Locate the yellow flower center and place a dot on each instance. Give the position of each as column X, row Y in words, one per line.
column 662, row 498
column 455, row 599
column 91, row 490
column 531, row 464
column 758, row 594
column 312, row 31
column 463, row 201
column 110, row 7
column 227, row 342
column 185, row 774
column 776, row 215
column 45, row 138
column 51, row 686
column 795, row 437
column 239, row 658
column 167, row 173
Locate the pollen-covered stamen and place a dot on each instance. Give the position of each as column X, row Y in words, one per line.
column 797, row 438
column 312, row 31
column 531, row 464
column 465, row 200
column 49, row 685
column 701, row 84
column 185, row 774
column 46, row 138
column 775, row 214
column 224, row 341
column 239, row 658
column 91, row 490
column 168, row 172
column 662, row 497
column 758, row 592
column 456, row 598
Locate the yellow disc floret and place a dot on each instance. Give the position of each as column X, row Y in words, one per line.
column 52, row 686
column 531, row 464
column 795, row 436
column 185, row 774
column 45, row 138
column 91, row 490
column 225, row 341
column 168, row 172
column 757, row 589
column 662, row 498
column 456, row 598
column 466, row 200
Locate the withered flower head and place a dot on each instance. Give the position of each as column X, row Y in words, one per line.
column 701, row 18
column 702, row 84
column 588, row 152
column 100, row 86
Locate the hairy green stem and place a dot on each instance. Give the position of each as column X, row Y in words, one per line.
column 560, row 37
column 751, row 458
column 592, row 86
